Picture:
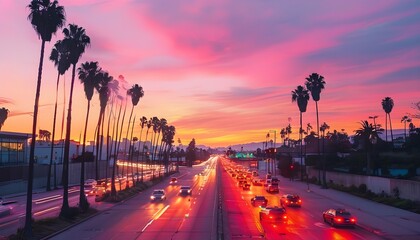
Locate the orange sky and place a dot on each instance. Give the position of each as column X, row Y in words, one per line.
column 220, row 72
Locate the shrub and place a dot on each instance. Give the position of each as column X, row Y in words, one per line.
column 362, row 188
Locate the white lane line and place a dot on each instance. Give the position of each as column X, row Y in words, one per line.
column 46, row 210
column 155, row 217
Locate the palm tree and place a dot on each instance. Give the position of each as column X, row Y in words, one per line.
column 143, row 122
column 148, row 125
column 315, row 83
column 324, row 127
column 3, row 116
column 301, row 96
column 135, row 92
column 104, row 93
column 368, row 135
column 90, row 77
column 46, row 18
column 405, row 120
column 76, row 41
column 283, row 134
column 288, row 132
column 59, row 55
column 387, row 105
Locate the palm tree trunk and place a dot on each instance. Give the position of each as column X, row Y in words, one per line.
column 28, row 218
column 98, row 144
column 130, row 152
column 143, row 155
column 65, row 209
column 126, row 137
column 138, row 153
column 83, row 202
column 301, row 148
column 53, row 135
column 390, row 127
column 121, row 131
column 113, row 189
column 386, row 128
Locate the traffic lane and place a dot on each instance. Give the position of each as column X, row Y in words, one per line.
column 45, row 204
column 126, row 220
column 201, row 222
column 306, row 222
column 240, row 222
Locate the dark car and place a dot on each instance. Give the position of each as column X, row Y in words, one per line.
column 339, row 217
column 246, row 186
column 273, row 214
column 259, row 201
column 185, row 190
column 173, row 180
column 291, row 200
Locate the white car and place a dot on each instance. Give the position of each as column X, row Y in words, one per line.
column 91, row 182
column 158, row 194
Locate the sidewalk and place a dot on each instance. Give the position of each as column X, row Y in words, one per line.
column 383, row 220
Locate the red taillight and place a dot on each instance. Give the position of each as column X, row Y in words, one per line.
column 338, row 219
column 271, row 216
column 287, row 201
column 300, row 201
column 353, row 220
column 285, row 217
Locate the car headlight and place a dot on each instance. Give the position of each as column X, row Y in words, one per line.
column 189, row 191
column 180, row 191
column 152, row 197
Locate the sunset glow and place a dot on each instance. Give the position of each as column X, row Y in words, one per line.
column 222, row 71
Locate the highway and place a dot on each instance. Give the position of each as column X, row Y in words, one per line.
column 219, row 209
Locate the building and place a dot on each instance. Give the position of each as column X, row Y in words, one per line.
column 14, row 148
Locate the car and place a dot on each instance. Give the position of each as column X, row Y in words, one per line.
column 257, row 182
column 259, row 201
column 173, row 180
column 273, row 214
column 246, row 186
column 241, row 183
column 291, row 200
column 158, row 194
column 185, row 190
column 339, row 217
column 272, row 188
column 90, row 182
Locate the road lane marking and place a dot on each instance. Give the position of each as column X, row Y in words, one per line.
column 46, row 210
column 7, row 223
column 155, row 217
column 47, row 199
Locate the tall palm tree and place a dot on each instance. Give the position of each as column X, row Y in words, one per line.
column 90, row 76
column 387, row 105
column 104, row 93
column 59, row 55
column 3, row 116
column 46, row 18
column 324, row 127
column 288, row 132
column 405, row 120
column 76, row 41
column 135, row 92
column 368, row 135
column 143, row 122
column 148, row 125
column 283, row 134
column 315, row 83
column 301, row 96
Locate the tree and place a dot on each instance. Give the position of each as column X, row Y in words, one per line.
column 104, row 94
column 143, row 122
column 90, row 76
column 323, row 128
column 283, row 134
column 368, row 135
column 190, row 153
column 135, row 92
column 387, row 105
column 405, row 120
column 60, row 56
column 315, row 83
column 4, row 112
column 46, row 18
column 301, row 96
column 76, row 41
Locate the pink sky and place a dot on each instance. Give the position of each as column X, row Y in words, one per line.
column 221, row 71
